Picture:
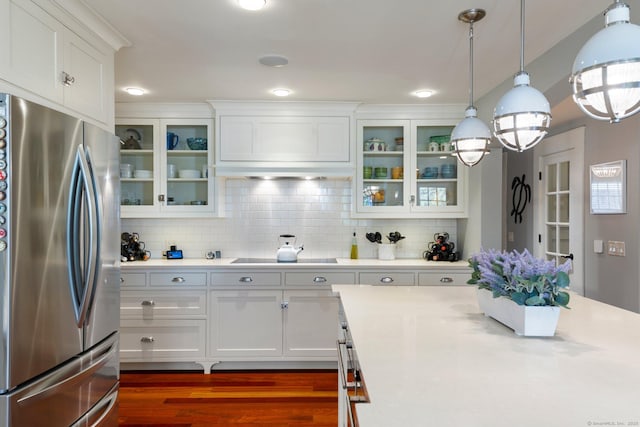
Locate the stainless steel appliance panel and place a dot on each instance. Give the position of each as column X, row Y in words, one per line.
column 67, row 395
column 103, row 151
column 38, row 326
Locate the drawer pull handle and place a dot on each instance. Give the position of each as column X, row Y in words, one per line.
column 148, row 303
column 319, row 279
column 147, row 339
column 446, row 280
column 246, row 279
column 386, row 280
column 284, row 305
column 178, row 280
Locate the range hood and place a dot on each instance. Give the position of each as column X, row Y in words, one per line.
column 284, row 139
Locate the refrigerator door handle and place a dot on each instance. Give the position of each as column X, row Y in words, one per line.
column 100, row 411
column 82, row 266
column 75, row 371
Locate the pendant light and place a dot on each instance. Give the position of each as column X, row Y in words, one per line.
column 523, row 115
column 606, row 73
column 471, row 136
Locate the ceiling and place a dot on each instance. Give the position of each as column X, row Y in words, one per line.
column 372, row 51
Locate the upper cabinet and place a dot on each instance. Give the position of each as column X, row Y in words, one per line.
column 406, row 169
column 166, row 167
column 282, row 138
column 46, row 53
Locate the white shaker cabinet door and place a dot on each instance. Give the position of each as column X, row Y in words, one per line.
column 310, row 323
column 284, row 139
column 35, row 44
column 246, row 323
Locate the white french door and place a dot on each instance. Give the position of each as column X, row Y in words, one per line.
column 559, row 212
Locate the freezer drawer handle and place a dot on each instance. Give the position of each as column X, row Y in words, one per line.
column 178, row 280
column 319, row 279
column 100, row 411
column 386, row 280
column 147, row 339
column 446, row 280
column 246, row 279
column 148, row 303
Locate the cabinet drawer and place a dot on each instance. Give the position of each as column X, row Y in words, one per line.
column 178, row 279
column 162, row 340
column 159, row 304
column 246, row 279
column 390, row 279
column 443, row 278
column 319, row 279
column 133, row 279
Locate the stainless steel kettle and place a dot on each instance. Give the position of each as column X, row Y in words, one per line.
column 287, row 251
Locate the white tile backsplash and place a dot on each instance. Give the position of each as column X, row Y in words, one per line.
column 258, row 211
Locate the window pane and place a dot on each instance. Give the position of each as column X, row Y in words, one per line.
column 551, row 208
column 564, row 176
column 564, row 240
column 551, row 238
column 551, row 178
column 563, row 211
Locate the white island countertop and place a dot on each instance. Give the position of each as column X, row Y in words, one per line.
column 430, row 358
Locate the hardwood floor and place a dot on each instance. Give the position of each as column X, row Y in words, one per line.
column 229, row 398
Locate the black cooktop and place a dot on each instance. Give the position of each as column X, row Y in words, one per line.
column 275, row 261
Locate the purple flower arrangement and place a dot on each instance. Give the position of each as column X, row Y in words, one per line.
column 521, row 277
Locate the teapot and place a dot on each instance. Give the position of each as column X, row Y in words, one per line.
column 287, row 251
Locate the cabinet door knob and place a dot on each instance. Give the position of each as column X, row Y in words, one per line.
column 147, row 339
column 386, row 280
column 284, row 305
column 319, row 279
column 446, row 280
column 67, row 79
column 148, row 303
column 246, row 279
column 178, row 280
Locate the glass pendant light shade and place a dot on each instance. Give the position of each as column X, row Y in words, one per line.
column 523, row 115
column 470, row 138
column 606, row 72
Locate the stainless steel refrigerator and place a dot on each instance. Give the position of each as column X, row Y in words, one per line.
column 59, row 269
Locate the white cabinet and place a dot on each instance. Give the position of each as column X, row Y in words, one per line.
column 284, row 139
column 246, row 324
column 444, row 277
column 170, row 167
column 279, row 138
column 44, row 57
column 398, row 176
column 309, row 323
column 387, row 278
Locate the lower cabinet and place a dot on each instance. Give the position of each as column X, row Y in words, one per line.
column 446, row 278
column 264, row 324
column 162, row 326
column 246, row 323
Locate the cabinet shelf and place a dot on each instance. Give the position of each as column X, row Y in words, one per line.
column 172, row 153
column 130, row 152
column 385, row 180
column 185, row 180
column 383, row 153
column 136, row 179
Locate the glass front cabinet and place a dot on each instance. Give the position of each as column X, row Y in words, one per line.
column 406, row 168
column 166, row 167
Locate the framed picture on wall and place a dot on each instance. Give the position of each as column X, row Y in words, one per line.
column 608, row 183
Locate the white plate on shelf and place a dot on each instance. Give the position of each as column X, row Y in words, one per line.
column 143, row 173
column 189, row 173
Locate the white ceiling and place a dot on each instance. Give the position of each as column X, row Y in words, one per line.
column 373, row 51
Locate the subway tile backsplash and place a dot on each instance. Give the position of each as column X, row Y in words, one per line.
column 258, row 211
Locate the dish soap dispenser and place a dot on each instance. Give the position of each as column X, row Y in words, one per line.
column 354, row 247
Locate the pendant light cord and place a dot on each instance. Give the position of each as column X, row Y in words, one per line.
column 521, row 36
column 471, row 64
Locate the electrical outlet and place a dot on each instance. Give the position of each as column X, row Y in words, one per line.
column 615, row 248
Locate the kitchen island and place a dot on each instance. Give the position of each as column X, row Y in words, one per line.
column 429, row 357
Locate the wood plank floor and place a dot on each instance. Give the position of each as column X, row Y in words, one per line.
column 229, row 398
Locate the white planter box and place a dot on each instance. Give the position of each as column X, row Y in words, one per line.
column 532, row 321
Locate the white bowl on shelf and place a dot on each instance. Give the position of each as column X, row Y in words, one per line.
column 189, row 173
column 143, row 173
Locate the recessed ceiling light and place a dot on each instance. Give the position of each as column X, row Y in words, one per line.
column 273, row 60
column 281, row 92
column 252, row 4
column 423, row 93
column 136, row 91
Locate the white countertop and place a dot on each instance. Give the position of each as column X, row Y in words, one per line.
column 341, row 262
column 430, row 358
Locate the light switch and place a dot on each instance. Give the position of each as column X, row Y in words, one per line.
column 616, row 248
column 598, row 246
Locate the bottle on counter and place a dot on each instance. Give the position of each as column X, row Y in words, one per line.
column 354, row 247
